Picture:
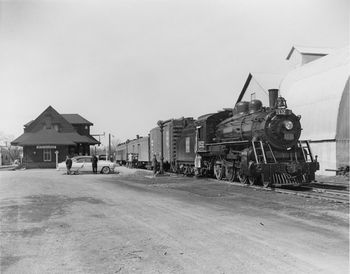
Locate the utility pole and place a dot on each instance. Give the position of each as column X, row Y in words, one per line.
column 109, row 146
column 99, row 138
column 161, row 127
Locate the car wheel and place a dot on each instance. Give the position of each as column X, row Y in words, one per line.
column 105, row 170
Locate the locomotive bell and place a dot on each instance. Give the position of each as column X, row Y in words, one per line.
column 254, row 106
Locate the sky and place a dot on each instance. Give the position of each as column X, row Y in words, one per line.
column 125, row 64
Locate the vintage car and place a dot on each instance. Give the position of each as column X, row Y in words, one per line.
column 84, row 164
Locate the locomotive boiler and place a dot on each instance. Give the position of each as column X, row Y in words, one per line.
column 255, row 144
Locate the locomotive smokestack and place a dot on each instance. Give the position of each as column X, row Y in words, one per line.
column 273, row 95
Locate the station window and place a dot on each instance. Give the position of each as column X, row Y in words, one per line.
column 47, row 155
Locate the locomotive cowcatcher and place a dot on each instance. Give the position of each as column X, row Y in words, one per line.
column 255, row 145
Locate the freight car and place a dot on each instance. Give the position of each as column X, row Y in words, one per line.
column 121, row 153
column 255, row 144
column 134, row 153
column 172, row 130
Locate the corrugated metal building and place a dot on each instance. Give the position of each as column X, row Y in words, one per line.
column 318, row 90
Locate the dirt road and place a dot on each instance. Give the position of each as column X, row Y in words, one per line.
column 133, row 223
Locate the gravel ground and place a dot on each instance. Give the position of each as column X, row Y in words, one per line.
column 133, row 223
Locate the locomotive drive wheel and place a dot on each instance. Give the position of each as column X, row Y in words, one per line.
column 242, row 178
column 254, row 180
column 219, row 172
column 266, row 184
column 229, row 174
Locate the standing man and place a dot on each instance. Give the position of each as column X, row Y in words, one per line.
column 68, row 164
column 154, row 164
column 94, row 164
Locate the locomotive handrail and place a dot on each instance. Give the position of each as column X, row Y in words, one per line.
column 241, row 129
column 260, row 143
column 255, row 154
column 273, row 155
column 309, row 153
column 226, row 143
column 263, row 151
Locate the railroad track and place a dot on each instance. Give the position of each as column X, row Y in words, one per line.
column 336, row 196
column 322, row 193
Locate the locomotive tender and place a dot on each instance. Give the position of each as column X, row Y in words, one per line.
column 251, row 143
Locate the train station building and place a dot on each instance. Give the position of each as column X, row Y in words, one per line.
column 52, row 136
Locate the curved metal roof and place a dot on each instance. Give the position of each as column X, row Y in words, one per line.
column 314, row 91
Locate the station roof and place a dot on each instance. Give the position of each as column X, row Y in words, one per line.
column 76, row 119
column 52, row 137
column 42, row 130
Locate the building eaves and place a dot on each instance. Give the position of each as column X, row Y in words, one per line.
column 52, row 137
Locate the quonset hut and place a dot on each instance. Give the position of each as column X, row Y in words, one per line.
column 319, row 91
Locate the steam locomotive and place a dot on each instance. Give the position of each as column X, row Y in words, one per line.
column 255, row 145
column 252, row 144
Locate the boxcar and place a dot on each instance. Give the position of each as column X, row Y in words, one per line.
column 138, row 152
column 120, row 154
column 186, row 150
column 172, row 130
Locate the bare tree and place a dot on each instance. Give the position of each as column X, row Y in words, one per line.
column 114, row 144
column 13, row 152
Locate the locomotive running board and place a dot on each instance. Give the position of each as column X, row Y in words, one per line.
column 228, row 143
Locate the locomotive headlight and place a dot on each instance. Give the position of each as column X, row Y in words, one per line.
column 288, row 125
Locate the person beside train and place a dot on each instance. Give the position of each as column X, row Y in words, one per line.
column 68, row 164
column 94, row 164
column 154, row 164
